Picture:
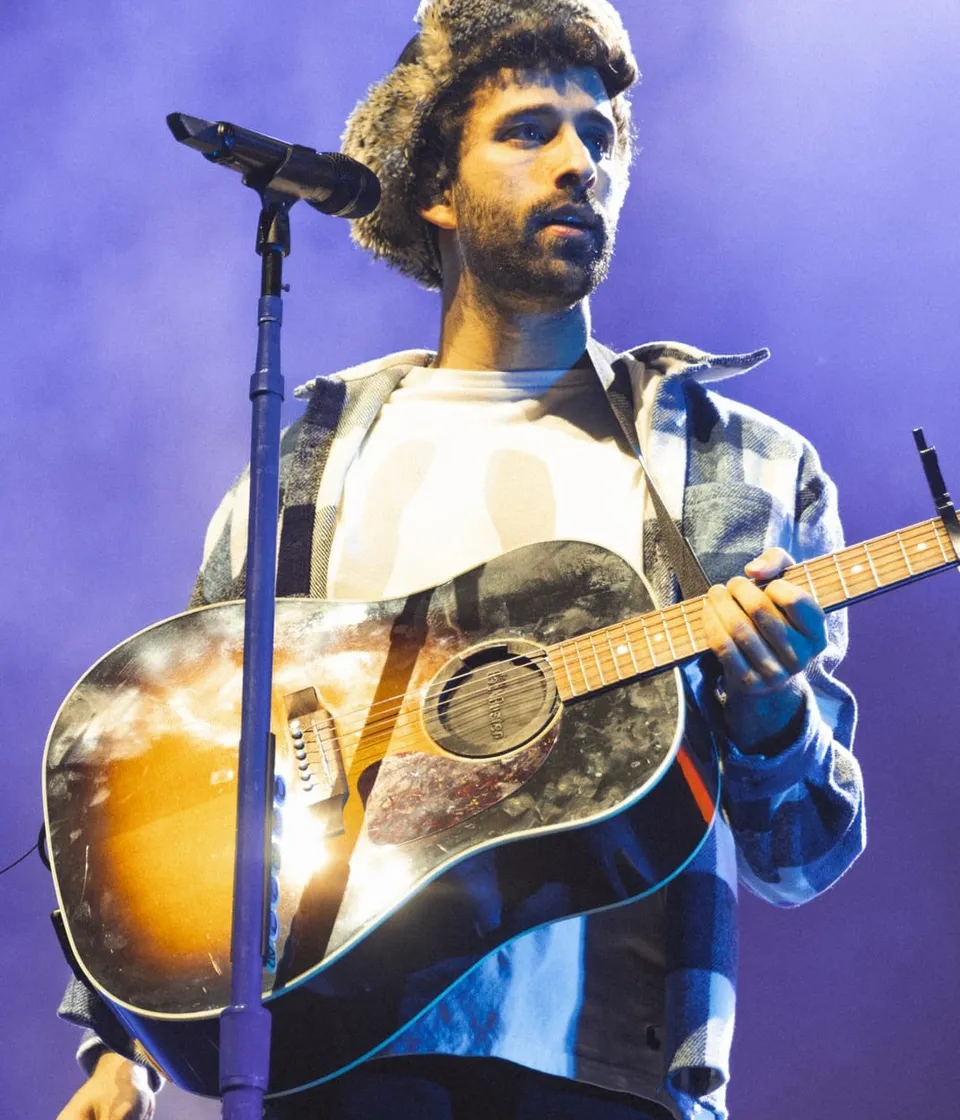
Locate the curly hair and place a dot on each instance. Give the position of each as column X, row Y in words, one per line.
column 409, row 128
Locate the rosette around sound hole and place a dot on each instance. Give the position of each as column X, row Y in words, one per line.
column 491, row 699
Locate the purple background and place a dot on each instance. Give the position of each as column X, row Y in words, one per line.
column 797, row 188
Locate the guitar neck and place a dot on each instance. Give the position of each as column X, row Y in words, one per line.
column 664, row 639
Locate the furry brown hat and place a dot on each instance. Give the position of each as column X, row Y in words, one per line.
column 459, row 43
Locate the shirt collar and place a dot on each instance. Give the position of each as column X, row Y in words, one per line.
column 668, row 359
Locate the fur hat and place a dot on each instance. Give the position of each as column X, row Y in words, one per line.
column 458, row 38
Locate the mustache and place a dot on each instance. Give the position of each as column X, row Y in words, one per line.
column 585, row 211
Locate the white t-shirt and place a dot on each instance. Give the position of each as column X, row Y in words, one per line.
column 463, row 465
column 459, row 467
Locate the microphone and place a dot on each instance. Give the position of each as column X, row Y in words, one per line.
column 329, row 181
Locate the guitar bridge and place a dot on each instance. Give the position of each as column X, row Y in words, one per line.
column 321, row 776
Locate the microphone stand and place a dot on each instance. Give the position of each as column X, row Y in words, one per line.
column 245, row 1024
column 281, row 174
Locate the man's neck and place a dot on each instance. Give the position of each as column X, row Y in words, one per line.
column 480, row 334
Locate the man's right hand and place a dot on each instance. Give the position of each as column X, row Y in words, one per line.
column 118, row 1089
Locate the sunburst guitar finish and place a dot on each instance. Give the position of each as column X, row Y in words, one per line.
column 454, row 767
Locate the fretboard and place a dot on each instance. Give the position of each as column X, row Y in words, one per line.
column 666, row 638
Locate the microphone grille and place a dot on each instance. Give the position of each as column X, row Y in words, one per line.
column 356, row 189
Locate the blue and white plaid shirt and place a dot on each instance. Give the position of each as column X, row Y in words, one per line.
column 737, row 482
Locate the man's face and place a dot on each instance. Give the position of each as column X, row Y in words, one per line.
column 539, row 189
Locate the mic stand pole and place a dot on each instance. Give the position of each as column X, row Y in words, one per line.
column 245, row 1024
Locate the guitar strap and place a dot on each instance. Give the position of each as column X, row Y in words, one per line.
column 298, row 501
column 616, row 377
column 337, row 417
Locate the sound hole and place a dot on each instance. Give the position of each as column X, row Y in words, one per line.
column 491, row 699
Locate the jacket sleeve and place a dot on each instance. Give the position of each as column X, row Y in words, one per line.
column 102, row 1030
column 798, row 815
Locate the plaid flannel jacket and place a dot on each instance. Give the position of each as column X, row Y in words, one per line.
column 737, row 483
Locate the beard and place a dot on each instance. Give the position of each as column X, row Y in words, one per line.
column 518, row 260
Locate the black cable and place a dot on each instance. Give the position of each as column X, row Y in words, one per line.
column 11, row 866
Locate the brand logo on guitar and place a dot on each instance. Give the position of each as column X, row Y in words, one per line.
column 496, row 682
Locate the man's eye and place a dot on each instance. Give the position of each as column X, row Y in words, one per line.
column 599, row 142
column 530, row 132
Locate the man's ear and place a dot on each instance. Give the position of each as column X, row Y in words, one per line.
column 441, row 213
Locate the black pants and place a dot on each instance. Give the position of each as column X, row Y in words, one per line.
column 441, row 1088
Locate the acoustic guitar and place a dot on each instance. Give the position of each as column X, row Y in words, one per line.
column 453, row 768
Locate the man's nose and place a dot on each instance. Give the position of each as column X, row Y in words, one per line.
column 576, row 165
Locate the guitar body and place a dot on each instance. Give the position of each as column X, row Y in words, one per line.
column 440, row 796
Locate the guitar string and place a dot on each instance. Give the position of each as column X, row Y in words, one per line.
column 677, row 615
column 396, row 723
column 673, row 616
column 398, row 716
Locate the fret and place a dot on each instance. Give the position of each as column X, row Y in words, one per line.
column 865, row 572
column 906, row 558
column 583, row 669
column 862, row 577
column 613, row 653
column 653, row 657
column 813, row 591
column 686, row 623
column 699, row 635
column 626, row 636
column 936, row 537
column 828, row 595
column 596, row 657
column 816, row 576
column 928, row 562
column 576, row 662
column 666, row 633
column 873, row 570
column 668, row 619
column 843, row 582
column 566, row 667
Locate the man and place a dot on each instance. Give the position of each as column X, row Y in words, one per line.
column 502, row 140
